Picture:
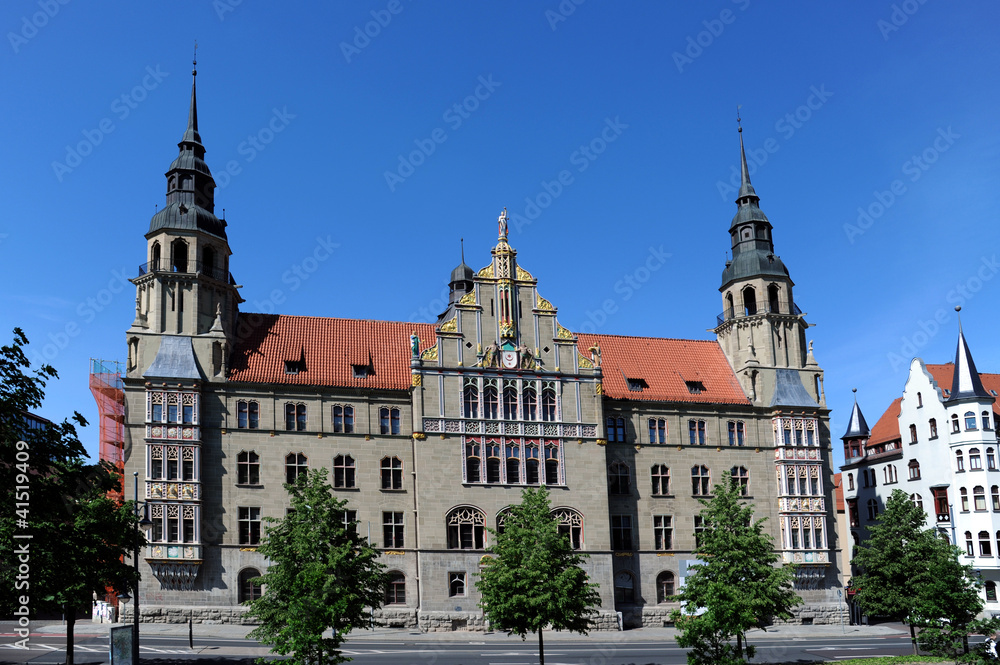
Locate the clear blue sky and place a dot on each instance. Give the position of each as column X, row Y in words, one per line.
column 886, row 82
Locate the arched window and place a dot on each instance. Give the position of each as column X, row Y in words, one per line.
column 548, row 405
column 979, row 497
column 395, row 590
column 975, row 463
column 913, row 433
column 551, row 463
column 179, row 255
column 473, row 462
column 964, row 496
column 295, row 417
column 959, row 461
column 247, row 468
column 296, row 465
column 490, row 399
column 914, row 469
column 343, row 419
column 570, row 525
column 730, row 306
column 531, row 463
column 529, row 399
column 954, row 423
column 661, row 480
column 510, row 403
column 664, row 587
column 737, row 432
column 995, row 494
column 970, row 549
column 920, row 400
column 749, row 301
column 741, row 477
column 466, row 529
column 247, row 589
column 392, row 473
column 388, row 420
column 991, row 460
column 970, row 420
column 700, row 480
column 471, row 402
column 154, row 258
column 850, row 480
column 696, row 432
column 343, row 471
column 991, row 591
column 208, row 262
column 872, row 510
column 657, row 430
column 933, row 425
column 772, row 298
column 984, row 544
column 624, row 587
column 619, row 478
column 917, row 501
column 513, row 464
column 986, row 420
column 493, row 462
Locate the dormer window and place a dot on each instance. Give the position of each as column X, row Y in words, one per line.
column 294, row 366
column 362, row 371
column 695, row 387
column 636, row 385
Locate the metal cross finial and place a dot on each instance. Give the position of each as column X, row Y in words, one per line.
column 739, row 121
column 194, row 61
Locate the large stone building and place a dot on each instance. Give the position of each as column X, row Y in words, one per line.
column 938, row 444
column 431, row 431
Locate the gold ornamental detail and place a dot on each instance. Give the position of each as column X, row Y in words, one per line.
column 468, row 299
column 416, row 380
column 543, row 304
column 486, row 272
column 562, row 333
column 450, row 326
column 584, row 362
column 430, row 354
column 599, row 389
column 523, row 275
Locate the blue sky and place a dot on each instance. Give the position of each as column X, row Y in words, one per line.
column 617, row 120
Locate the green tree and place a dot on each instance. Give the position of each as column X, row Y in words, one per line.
column 323, row 576
column 910, row 573
column 55, row 503
column 535, row 579
column 737, row 586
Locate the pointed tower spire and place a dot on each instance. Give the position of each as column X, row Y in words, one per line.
column 747, row 193
column 857, row 427
column 191, row 134
column 966, row 383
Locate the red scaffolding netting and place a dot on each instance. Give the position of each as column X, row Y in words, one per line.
column 109, row 393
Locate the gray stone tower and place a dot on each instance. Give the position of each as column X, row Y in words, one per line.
column 761, row 329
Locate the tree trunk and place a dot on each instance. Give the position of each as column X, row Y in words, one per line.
column 541, row 648
column 70, row 622
column 739, row 645
column 913, row 638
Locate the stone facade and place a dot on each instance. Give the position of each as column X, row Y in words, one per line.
column 431, row 431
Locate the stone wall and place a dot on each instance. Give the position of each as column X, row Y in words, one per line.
column 205, row 615
column 818, row 615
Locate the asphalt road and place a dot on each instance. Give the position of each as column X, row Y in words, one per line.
column 594, row 650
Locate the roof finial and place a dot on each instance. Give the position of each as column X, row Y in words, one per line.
column 739, row 126
column 747, row 192
column 194, row 61
column 502, row 223
column 958, row 308
column 462, row 241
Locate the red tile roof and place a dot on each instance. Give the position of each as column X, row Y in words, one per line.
column 887, row 427
column 665, row 364
column 330, row 346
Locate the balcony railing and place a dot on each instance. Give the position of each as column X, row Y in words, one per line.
column 507, row 428
column 187, row 268
column 779, row 307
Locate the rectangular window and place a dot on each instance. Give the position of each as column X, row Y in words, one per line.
column 392, row 530
column 171, row 413
column 737, row 432
column 696, row 432
column 249, row 518
column 699, row 528
column 621, row 532
column 157, row 413
column 188, row 414
column 663, row 532
column 350, row 520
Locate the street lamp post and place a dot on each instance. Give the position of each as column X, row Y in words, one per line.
column 135, row 563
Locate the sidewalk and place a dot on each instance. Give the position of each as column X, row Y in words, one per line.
column 228, row 631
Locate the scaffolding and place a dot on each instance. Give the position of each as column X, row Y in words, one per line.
column 109, row 392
